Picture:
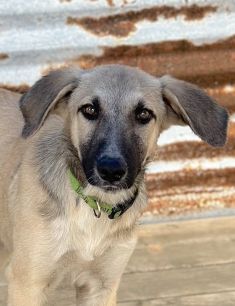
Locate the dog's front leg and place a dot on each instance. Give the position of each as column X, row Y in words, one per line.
column 98, row 286
column 24, row 294
column 30, row 270
column 25, row 288
column 29, row 277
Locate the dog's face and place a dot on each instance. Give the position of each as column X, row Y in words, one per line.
column 115, row 120
column 115, row 114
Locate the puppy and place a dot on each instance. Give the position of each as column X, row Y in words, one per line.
column 73, row 151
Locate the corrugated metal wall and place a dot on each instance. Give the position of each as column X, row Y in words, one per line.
column 192, row 40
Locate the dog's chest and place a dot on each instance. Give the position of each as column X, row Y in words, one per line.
column 83, row 233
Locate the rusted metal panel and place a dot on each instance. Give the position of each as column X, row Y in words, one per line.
column 38, row 35
column 204, row 65
column 123, row 24
column 190, row 39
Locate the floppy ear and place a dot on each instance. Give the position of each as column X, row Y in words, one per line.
column 43, row 96
column 189, row 104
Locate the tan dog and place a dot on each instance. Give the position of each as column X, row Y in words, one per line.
column 72, row 159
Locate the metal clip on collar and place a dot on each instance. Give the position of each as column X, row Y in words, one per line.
column 97, row 212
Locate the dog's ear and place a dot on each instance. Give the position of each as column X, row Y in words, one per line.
column 188, row 104
column 43, row 96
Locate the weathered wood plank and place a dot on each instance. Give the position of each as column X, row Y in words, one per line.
column 182, row 254
column 3, row 260
column 184, row 244
column 62, row 297
column 217, row 299
column 177, row 282
column 3, row 295
column 187, row 230
column 66, row 297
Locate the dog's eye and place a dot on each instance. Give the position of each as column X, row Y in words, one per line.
column 90, row 112
column 143, row 115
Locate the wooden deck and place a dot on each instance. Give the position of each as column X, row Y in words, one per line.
column 188, row 263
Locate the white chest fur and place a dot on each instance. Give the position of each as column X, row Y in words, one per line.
column 88, row 236
column 83, row 232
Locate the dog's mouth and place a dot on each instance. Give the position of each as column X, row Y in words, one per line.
column 97, row 182
column 113, row 186
column 110, row 188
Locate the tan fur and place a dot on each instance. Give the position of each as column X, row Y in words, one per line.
column 73, row 243
column 41, row 249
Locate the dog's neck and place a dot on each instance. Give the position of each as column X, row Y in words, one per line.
column 96, row 204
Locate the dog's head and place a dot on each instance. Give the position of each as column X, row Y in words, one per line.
column 114, row 115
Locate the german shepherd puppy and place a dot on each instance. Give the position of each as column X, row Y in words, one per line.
column 72, row 156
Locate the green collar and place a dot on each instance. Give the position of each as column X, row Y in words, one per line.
column 113, row 212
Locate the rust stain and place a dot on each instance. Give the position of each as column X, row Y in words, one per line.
column 16, row 88
column 53, row 67
column 190, row 190
column 121, row 25
column 3, row 56
column 190, row 149
column 110, row 2
column 165, row 182
column 154, row 248
column 169, row 206
column 99, row 27
column 204, row 65
column 65, row 1
column 224, row 97
column 193, row 149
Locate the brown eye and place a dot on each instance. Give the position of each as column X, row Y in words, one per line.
column 90, row 111
column 143, row 115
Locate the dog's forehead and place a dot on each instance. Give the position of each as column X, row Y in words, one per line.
column 118, row 79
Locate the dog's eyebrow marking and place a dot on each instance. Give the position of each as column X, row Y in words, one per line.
column 96, row 101
column 140, row 105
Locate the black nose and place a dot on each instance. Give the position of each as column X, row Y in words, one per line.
column 111, row 169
